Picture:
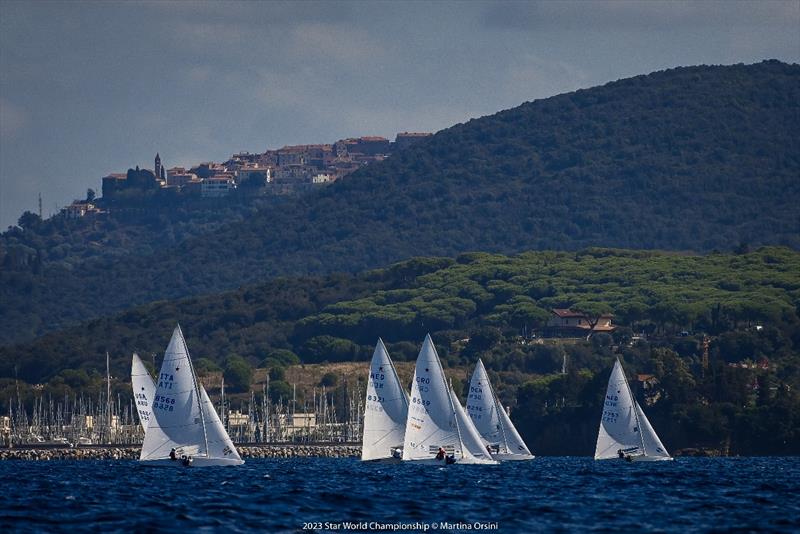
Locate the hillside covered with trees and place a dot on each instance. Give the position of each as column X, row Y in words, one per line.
column 487, row 306
column 698, row 158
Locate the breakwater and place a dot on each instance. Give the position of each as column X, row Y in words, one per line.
column 132, row 453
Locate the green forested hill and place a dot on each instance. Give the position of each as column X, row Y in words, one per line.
column 477, row 305
column 339, row 317
column 696, row 158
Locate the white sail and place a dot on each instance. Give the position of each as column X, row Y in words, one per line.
column 219, row 442
column 143, row 390
column 432, row 421
column 386, row 408
column 177, row 420
column 652, row 445
column 473, row 449
column 515, row 447
column 623, row 425
column 491, row 420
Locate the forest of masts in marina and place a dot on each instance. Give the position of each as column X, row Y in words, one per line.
column 82, row 420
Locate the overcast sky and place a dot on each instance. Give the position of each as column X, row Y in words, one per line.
column 90, row 88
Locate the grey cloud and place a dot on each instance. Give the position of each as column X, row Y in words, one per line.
column 655, row 15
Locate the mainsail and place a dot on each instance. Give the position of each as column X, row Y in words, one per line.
column 182, row 417
column 491, row 419
column 623, row 426
column 386, row 408
column 434, row 421
column 143, row 390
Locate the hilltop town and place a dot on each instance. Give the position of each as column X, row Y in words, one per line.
column 287, row 170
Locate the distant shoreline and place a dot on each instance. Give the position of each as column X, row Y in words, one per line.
column 131, row 452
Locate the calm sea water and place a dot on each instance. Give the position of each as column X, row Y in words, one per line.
column 322, row 494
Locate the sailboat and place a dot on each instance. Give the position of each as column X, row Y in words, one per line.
column 492, row 421
column 386, row 410
column 144, row 389
column 625, row 431
column 184, row 427
column 438, row 429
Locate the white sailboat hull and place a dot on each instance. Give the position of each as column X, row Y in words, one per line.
column 389, row 460
column 196, row 462
column 640, row 458
column 512, row 457
column 652, row 458
column 476, row 461
column 460, row 461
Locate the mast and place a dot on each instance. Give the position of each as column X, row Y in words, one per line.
column 265, row 391
column 222, row 405
column 108, row 397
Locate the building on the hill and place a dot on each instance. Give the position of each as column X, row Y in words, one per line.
column 406, row 139
column 135, row 179
column 179, row 177
column 113, row 183
column 322, row 178
column 78, row 209
column 254, row 172
column 219, row 185
column 208, row 169
column 288, row 174
column 368, row 145
column 568, row 323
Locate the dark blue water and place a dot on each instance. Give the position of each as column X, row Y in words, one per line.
column 289, row 495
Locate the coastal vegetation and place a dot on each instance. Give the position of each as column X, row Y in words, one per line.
column 690, row 159
column 492, row 306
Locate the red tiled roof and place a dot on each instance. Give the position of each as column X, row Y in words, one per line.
column 564, row 312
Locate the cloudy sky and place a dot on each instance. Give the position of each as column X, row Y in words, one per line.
column 89, row 88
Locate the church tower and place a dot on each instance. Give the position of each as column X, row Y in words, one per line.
column 157, row 170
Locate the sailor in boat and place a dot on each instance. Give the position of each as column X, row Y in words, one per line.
column 628, row 454
column 187, row 460
column 441, row 455
column 172, row 455
column 449, row 460
column 397, row 452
